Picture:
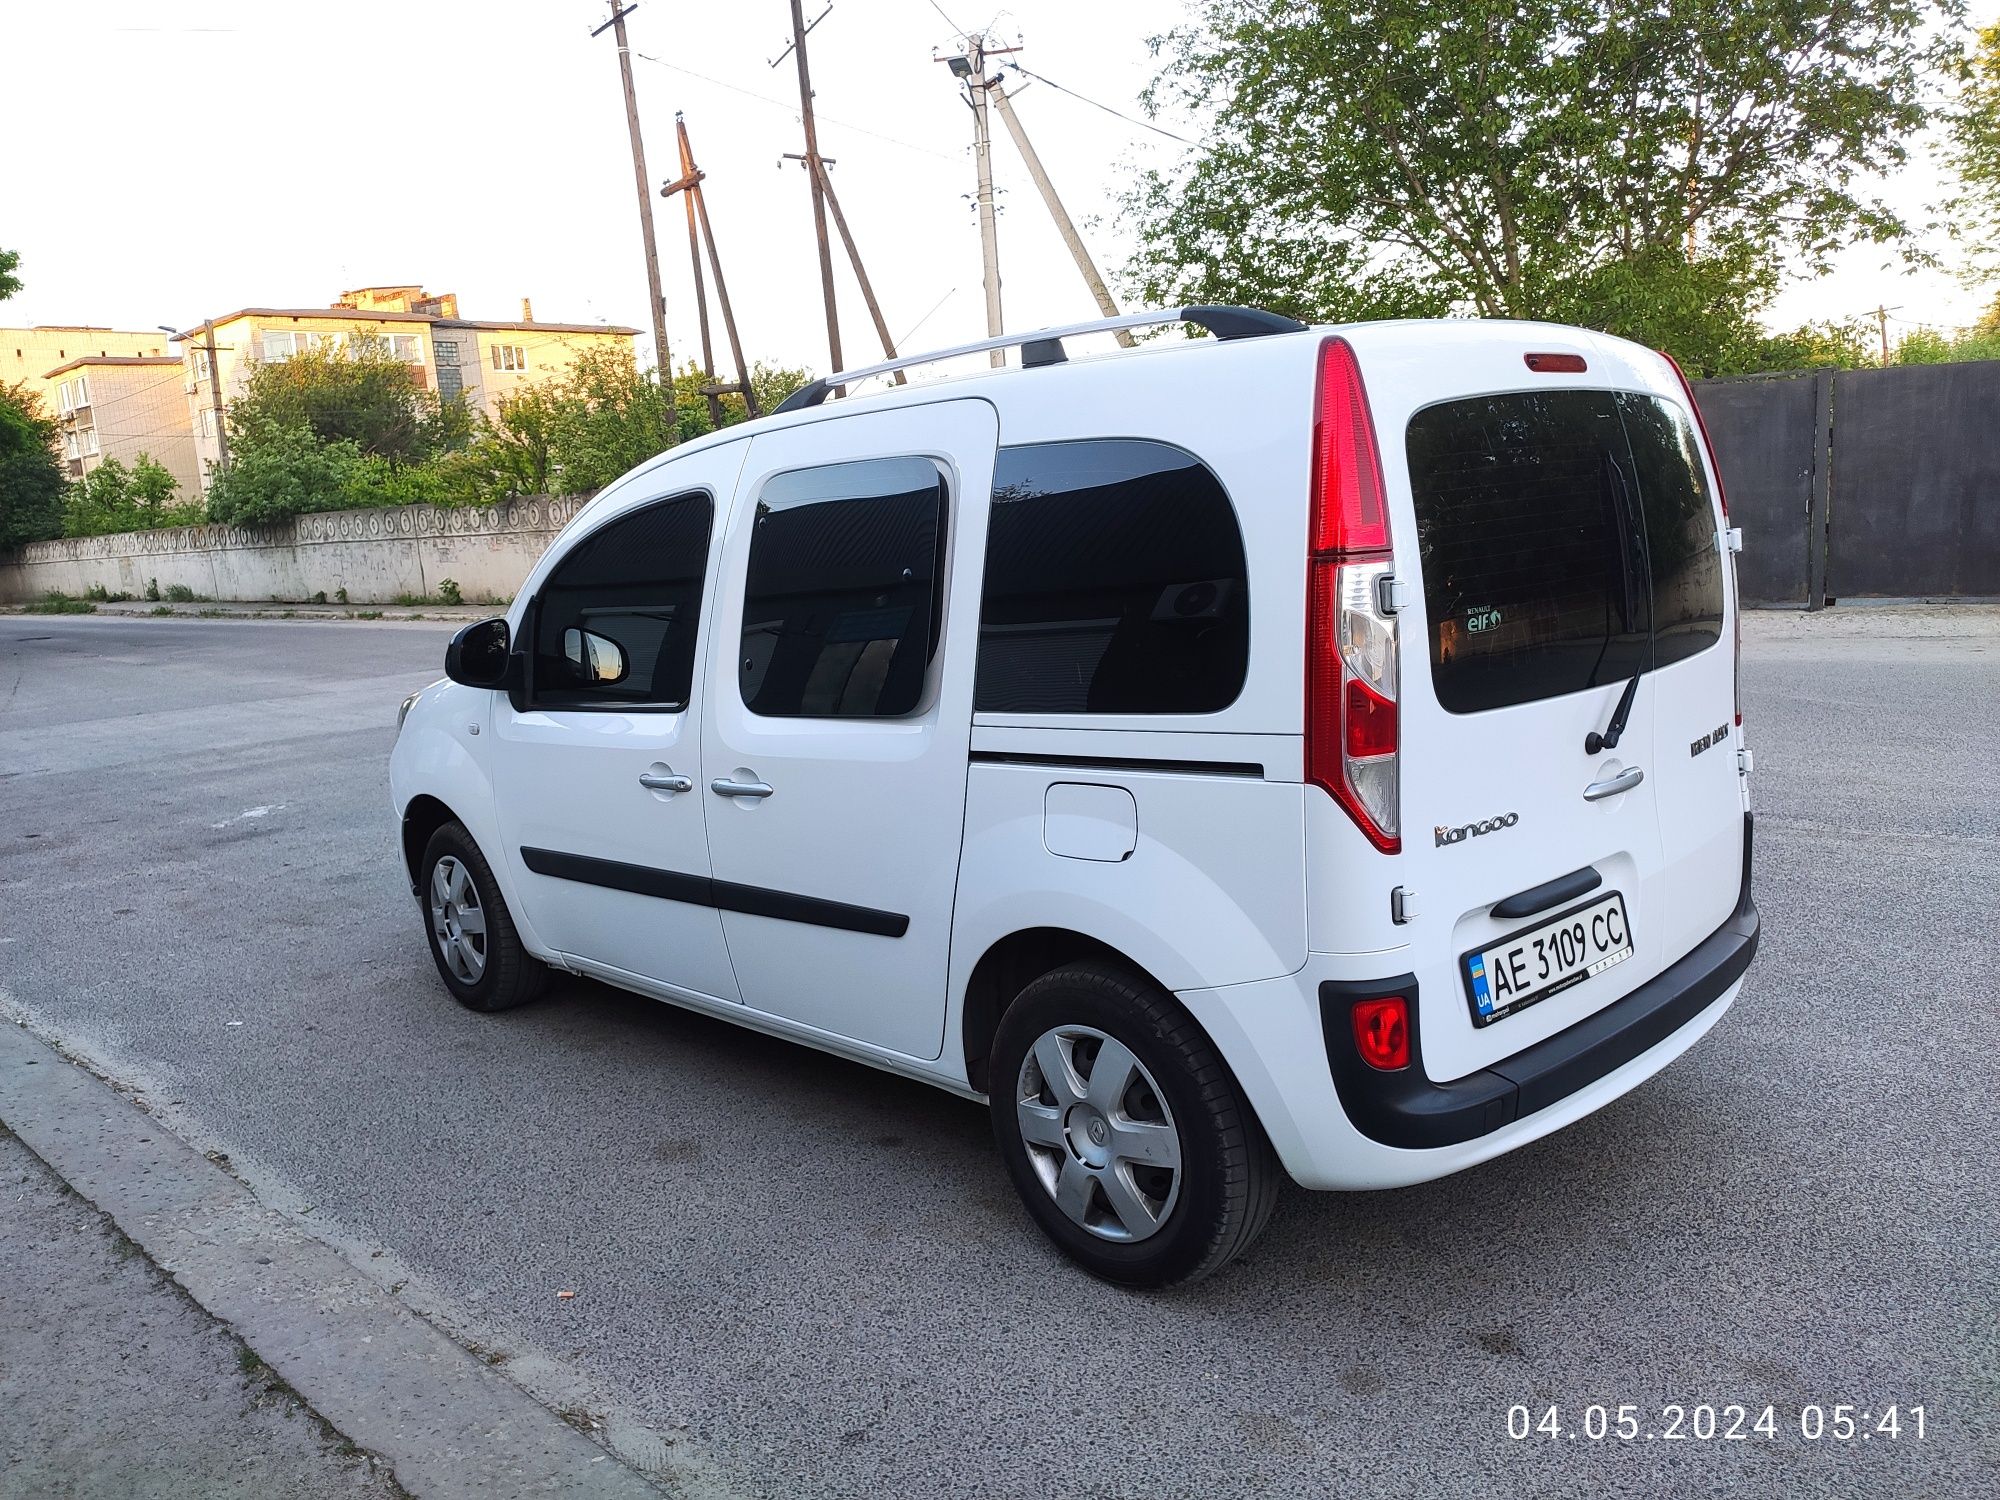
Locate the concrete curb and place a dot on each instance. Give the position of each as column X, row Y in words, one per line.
column 447, row 1425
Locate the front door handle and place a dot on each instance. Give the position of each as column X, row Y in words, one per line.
column 1611, row 786
column 653, row 781
column 725, row 787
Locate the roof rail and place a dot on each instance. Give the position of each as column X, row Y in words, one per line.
column 1044, row 345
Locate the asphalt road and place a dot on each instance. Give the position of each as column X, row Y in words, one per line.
column 799, row 1277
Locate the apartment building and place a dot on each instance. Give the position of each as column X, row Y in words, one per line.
column 28, row 354
column 120, row 406
column 477, row 360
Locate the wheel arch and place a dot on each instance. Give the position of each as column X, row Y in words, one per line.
column 424, row 816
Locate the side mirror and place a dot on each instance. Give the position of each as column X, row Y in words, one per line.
column 594, row 660
column 478, row 655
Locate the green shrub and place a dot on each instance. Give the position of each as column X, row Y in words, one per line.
column 57, row 603
column 448, row 591
column 112, row 498
column 153, row 588
column 180, row 593
column 31, row 469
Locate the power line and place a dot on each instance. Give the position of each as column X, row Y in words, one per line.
column 791, row 109
column 1128, row 119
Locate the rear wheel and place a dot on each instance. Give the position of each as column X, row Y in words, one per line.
column 1123, row 1130
column 473, row 941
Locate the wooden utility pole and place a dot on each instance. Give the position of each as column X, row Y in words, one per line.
column 215, row 397
column 860, row 272
column 1881, row 316
column 1071, row 238
column 642, row 181
column 815, row 179
column 689, row 181
column 699, row 231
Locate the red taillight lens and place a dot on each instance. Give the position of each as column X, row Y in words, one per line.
column 1382, row 1033
column 1555, row 364
column 1351, row 636
column 1347, row 511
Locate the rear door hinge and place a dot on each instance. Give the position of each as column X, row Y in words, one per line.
column 1732, row 539
column 1403, row 907
column 1746, row 761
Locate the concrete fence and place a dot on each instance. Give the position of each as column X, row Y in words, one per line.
column 377, row 555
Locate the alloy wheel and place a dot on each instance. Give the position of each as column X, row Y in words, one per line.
column 458, row 921
column 1099, row 1134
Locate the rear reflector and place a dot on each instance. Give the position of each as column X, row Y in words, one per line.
column 1555, row 364
column 1382, row 1033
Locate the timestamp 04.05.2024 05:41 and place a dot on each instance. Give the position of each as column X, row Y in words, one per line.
column 1844, row 1422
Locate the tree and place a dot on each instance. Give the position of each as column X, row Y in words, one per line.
column 10, row 261
column 113, row 498
column 1647, row 166
column 356, row 393
column 1972, row 152
column 31, row 469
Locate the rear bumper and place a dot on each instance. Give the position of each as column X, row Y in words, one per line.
column 1405, row 1108
column 1337, row 1123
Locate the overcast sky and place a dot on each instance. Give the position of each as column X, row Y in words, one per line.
column 171, row 159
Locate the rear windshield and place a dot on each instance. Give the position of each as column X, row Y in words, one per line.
column 1567, row 541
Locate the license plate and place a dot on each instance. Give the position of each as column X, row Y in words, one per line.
column 1546, row 959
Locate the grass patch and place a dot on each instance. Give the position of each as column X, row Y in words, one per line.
column 60, row 604
column 368, row 614
column 159, row 609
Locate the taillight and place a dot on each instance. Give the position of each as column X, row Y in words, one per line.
column 1722, row 500
column 1382, row 1032
column 1352, row 730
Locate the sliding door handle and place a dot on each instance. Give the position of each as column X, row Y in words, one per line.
column 726, row 787
column 652, row 781
column 1611, row 786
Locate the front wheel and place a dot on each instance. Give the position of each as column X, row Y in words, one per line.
column 473, row 942
column 1124, row 1131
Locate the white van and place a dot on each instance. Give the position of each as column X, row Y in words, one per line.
column 1302, row 748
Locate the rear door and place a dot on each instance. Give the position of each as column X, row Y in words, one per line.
column 1536, row 844
column 839, row 711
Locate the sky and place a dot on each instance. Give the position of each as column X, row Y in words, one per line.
column 176, row 159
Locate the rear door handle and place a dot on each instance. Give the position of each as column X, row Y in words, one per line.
column 1611, row 786
column 654, row 782
column 724, row 786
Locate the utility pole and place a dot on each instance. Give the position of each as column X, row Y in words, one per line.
column 982, row 160
column 215, row 398
column 815, row 179
column 1071, row 238
column 1881, row 316
column 969, row 68
column 699, row 230
column 640, row 179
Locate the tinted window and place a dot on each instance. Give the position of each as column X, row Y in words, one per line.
column 1558, row 531
column 1114, row 583
column 1681, row 546
column 841, row 607
column 628, row 596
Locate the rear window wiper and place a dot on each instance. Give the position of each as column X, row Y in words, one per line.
column 1594, row 742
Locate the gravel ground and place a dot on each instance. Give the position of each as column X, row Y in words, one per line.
column 114, row 1384
column 816, row 1277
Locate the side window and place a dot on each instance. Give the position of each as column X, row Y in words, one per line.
column 614, row 625
column 1115, row 583
column 1680, row 529
column 842, row 604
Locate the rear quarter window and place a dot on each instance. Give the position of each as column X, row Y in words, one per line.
column 1114, row 583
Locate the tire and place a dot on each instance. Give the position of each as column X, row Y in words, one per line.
column 471, row 933
column 1090, row 1164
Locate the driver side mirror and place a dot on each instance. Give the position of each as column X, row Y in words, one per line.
column 478, row 655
